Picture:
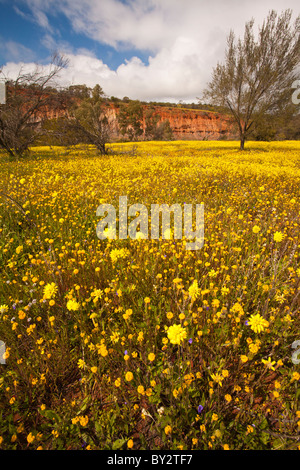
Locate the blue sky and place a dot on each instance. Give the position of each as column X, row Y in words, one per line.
column 144, row 49
column 25, row 38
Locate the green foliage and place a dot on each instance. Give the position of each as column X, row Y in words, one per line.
column 156, row 130
column 255, row 81
column 130, row 119
column 137, row 121
column 58, row 132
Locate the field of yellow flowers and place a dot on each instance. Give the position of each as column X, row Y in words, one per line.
column 142, row 344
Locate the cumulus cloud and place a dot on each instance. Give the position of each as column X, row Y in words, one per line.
column 152, row 24
column 172, row 73
column 184, row 40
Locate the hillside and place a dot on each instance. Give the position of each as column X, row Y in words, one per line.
column 186, row 124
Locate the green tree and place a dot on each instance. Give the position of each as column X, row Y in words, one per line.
column 164, row 131
column 257, row 76
column 156, row 130
column 130, row 120
column 79, row 91
column 277, row 126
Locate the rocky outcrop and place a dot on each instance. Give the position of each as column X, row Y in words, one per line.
column 186, row 124
column 194, row 124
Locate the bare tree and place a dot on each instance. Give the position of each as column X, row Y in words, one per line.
column 27, row 98
column 89, row 120
column 257, row 76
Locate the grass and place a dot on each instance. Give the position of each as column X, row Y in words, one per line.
column 89, row 360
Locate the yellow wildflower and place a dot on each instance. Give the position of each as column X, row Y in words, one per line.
column 3, row 309
column 257, row 323
column 83, row 420
column 168, row 430
column 128, row 376
column 151, row 357
column 72, row 305
column 244, row 358
column 118, row 382
column 269, row 363
column 141, row 389
column 130, row 444
column 278, row 236
column 30, row 438
column 194, row 290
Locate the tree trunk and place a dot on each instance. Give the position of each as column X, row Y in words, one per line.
column 101, row 147
column 242, row 142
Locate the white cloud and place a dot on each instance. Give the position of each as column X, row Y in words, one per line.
column 184, row 41
column 37, row 15
column 16, row 51
column 153, row 24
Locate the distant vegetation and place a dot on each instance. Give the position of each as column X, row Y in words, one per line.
column 26, row 119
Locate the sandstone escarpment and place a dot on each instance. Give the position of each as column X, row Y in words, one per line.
column 186, row 124
column 194, row 124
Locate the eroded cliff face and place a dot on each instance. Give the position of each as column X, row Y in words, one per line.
column 189, row 124
column 186, row 124
column 193, row 124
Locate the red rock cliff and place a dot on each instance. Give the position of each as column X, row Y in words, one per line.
column 194, row 124
column 186, row 124
column 190, row 124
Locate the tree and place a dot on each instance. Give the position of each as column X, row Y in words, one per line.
column 89, row 120
column 257, row 76
column 130, row 119
column 27, row 99
column 164, row 131
column 156, row 130
column 281, row 125
column 79, row 91
column 137, row 121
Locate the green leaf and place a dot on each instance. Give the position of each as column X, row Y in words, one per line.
column 264, row 437
column 84, row 405
column 50, row 414
column 118, row 444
